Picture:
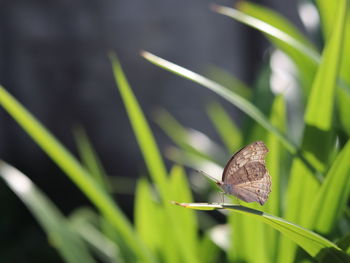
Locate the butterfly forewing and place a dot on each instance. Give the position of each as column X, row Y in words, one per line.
column 246, row 176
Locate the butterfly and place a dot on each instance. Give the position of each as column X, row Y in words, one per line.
column 246, row 176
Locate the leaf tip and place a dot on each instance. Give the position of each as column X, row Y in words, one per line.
column 215, row 7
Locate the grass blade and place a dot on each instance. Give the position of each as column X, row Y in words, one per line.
column 153, row 159
column 311, row 242
column 90, row 158
column 334, row 190
column 141, row 128
column 306, row 65
column 105, row 248
column 324, row 85
column 275, row 161
column 226, row 79
column 236, row 100
column 147, row 220
column 191, row 141
column 62, row 236
column 298, row 43
column 225, row 126
column 68, row 163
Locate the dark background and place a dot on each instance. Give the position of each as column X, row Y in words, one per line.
column 53, row 59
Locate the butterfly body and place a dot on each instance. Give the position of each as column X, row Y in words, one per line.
column 246, row 176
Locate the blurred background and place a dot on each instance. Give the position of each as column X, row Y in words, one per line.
column 53, row 59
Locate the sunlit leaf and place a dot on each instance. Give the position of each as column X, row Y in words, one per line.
column 62, row 236
column 311, row 242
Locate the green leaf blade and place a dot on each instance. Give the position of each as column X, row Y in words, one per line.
column 311, row 242
column 324, row 85
column 63, row 238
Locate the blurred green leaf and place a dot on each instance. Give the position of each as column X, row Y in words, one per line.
column 275, row 161
column 153, row 161
column 67, row 242
column 141, row 129
column 228, row 80
column 190, row 141
column 83, row 221
column 225, row 126
column 301, row 190
column 270, row 30
column 90, row 158
column 236, row 100
column 332, row 198
column 68, row 163
column 324, row 85
column 186, row 219
column 209, row 252
column 305, row 62
column 311, row 242
column 328, row 10
column 147, row 221
column 344, row 242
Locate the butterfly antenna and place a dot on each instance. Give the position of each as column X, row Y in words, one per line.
column 207, row 175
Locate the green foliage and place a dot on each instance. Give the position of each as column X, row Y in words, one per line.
column 310, row 174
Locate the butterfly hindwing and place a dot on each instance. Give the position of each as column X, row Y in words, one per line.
column 246, row 175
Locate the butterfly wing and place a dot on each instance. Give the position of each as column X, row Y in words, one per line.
column 246, row 176
column 251, row 183
column 255, row 151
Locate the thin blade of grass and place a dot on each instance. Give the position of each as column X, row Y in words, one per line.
column 152, row 158
column 188, row 221
column 295, row 41
column 324, row 85
column 67, row 242
column 305, row 64
column 275, row 160
column 90, row 159
column 233, row 98
column 299, row 199
column 193, row 142
column 229, row 133
column 72, row 168
column 141, row 128
column 146, row 217
column 209, row 251
column 105, row 248
column 328, row 10
column 334, row 190
column 311, row 242
column 226, row 79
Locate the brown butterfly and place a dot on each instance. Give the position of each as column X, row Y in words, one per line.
column 246, row 176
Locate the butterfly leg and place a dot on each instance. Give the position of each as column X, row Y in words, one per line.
column 222, row 194
column 239, row 203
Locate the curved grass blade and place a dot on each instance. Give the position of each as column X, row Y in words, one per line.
column 311, row 242
column 72, row 168
column 230, row 81
column 275, row 161
column 334, row 193
column 236, row 100
column 105, row 248
column 90, row 158
column 324, row 85
column 193, row 142
column 272, row 31
column 152, row 158
column 62, row 236
column 225, row 126
column 147, row 216
column 306, row 65
column 141, row 128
